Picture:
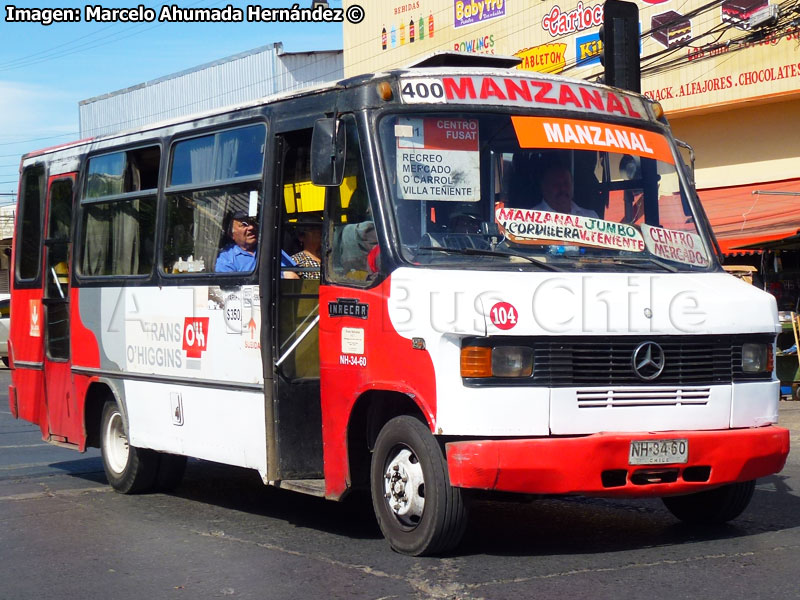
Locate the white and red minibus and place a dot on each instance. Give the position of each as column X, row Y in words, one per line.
column 517, row 291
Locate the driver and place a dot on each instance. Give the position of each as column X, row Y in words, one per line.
column 557, row 190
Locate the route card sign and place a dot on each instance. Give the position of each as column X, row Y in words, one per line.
column 680, row 246
column 438, row 159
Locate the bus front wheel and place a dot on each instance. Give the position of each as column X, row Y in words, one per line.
column 418, row 511
column 713, row 507
column 128, row 469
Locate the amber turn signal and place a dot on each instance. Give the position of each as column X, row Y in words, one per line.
column 658, row 110
column 385, row 90
column 476, row 361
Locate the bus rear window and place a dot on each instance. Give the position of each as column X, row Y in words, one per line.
column 29, row 228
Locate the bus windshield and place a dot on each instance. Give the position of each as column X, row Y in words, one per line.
column 509, row 191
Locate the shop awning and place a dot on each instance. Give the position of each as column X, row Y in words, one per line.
column 741, row 217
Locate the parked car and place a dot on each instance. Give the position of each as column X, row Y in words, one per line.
column 5, row 326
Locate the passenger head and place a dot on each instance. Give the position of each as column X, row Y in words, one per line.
column 557, row 188
column 629, row 167
column 310, row 234
column 244, row 230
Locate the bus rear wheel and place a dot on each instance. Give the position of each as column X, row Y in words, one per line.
column 418, row 511
column 713, row 507
column 129, row 470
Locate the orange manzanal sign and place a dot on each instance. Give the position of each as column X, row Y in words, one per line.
column 545, row 132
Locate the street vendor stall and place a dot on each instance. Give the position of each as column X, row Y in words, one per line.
column 780, row 270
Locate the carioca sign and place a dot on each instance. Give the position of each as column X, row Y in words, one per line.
column 558, row 23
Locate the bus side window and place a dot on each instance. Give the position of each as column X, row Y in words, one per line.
column 354, row 254
column 214, row 180
column 119, row 212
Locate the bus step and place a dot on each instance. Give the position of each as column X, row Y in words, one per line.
column 314, row 487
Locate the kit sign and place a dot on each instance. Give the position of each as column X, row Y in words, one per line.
column 521, row 91
column 541, row 132
column 468, row 12
column 587, row 49
column 529, row 226
column 438, row 159
column 680, row 246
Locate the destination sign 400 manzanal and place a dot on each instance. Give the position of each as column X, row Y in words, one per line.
column 171, row 13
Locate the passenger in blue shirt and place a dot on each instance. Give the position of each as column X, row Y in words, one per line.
column 240, row 255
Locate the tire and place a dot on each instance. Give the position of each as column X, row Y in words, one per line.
column 428, row 517
column 129, row 470
column 171, row 468
column 714, row 506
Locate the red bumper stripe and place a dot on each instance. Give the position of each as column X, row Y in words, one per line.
column 575, row 465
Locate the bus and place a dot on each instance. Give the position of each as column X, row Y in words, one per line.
column 517, row 292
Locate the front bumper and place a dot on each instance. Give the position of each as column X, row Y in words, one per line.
column 598, row 464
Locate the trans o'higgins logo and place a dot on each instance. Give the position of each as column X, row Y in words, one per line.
column 195, row 336
column 467, row 12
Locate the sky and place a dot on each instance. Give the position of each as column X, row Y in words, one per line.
column 46, row 70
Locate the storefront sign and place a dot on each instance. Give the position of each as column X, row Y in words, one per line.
column 559, row 23
column 469, row 12
column 587, row 49
column 548, row 58
column 479, row 45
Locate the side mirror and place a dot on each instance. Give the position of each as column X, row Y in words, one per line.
column 689, row 165
column 327, row 152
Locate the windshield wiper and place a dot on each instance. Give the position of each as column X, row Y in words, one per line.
column 479, row 252
column 639, row 261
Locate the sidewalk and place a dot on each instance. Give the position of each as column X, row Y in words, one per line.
column 789, row 417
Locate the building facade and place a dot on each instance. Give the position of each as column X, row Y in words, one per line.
column 240, row 78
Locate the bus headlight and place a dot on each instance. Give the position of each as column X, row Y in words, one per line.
column 756, row 358
column 500, row 361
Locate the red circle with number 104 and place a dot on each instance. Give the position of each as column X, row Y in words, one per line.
column 503, row 315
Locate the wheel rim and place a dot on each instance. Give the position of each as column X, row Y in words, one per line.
column 404, row 487
column 115, row 444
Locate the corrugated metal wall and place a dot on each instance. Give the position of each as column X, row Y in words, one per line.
column 246, row 76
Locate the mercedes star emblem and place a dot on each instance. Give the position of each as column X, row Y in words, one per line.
column 648, row 360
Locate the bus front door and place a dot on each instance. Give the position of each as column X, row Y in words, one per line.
column 64, row 422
